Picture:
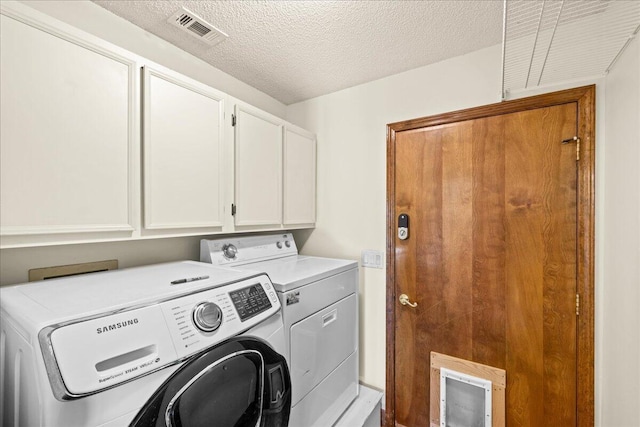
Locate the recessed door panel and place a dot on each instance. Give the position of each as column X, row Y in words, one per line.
column 299, row 178
column 258, row 184
column 67, row 136
column 182, row 152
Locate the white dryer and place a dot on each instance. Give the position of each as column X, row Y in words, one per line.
column 320, row 309
column 177, row 344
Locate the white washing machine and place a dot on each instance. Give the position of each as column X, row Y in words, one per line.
column 177, row 344
column 320, row 309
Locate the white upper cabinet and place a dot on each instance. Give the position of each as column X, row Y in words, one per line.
column 69, row 135
column 258, row 168
column 299, row 177
column 182, row 146
column 94, row 146
column 275, row 172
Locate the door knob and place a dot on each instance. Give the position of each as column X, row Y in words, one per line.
column 404, row 300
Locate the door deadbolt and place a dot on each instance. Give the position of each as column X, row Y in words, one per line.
column 403, row 227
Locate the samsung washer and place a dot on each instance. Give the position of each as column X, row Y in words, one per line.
column 320, row 311
column 177, row 344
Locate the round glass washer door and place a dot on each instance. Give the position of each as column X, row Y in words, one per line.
column 226, row 393
column 242, row 382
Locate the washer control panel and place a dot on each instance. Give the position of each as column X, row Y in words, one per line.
column 107, row 350
column 205, row 318
column 250, row 301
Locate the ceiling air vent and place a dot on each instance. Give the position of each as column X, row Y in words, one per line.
column 196, row 26
column 549, row 42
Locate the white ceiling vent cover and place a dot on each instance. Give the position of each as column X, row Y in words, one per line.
column 548, row 42
column 196, row 26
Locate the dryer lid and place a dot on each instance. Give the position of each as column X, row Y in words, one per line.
column 291, row 272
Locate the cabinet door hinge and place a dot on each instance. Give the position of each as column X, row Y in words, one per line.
column 577, row 140
column 233, row 120
column 577, row 304
column 233, row 209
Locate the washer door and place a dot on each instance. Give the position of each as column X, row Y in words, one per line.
column 240, row 383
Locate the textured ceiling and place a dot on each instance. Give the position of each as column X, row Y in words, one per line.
column 296, row 50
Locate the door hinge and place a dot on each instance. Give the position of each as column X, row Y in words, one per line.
column 577, row 140
column 233, row 120
column 233, row 209
column 577, row 304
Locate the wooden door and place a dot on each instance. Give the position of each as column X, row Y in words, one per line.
column 493, row 258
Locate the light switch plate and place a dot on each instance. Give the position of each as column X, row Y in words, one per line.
column 372, row 259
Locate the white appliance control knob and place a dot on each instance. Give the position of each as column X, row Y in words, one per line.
column 207, row 316
column 279, row 245
column 287, row 243
column 229, row 251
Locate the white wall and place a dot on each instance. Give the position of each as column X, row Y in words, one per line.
column 620, row 238
column 351, row 129
column 91, row 18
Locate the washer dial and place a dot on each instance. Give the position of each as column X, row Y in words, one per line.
column 207, row 316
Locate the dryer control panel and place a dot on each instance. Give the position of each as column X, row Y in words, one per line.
column 247, row 249
column 90, row 355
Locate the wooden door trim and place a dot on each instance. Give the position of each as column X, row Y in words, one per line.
column 584, row 97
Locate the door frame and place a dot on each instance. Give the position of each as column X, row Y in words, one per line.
column 584, row 97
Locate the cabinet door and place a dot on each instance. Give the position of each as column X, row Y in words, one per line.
column 182, row 152
column 299, row 177
column 68, row 135
column 258, row 183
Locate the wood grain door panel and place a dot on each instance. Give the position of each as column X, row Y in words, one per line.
column 491, row 259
